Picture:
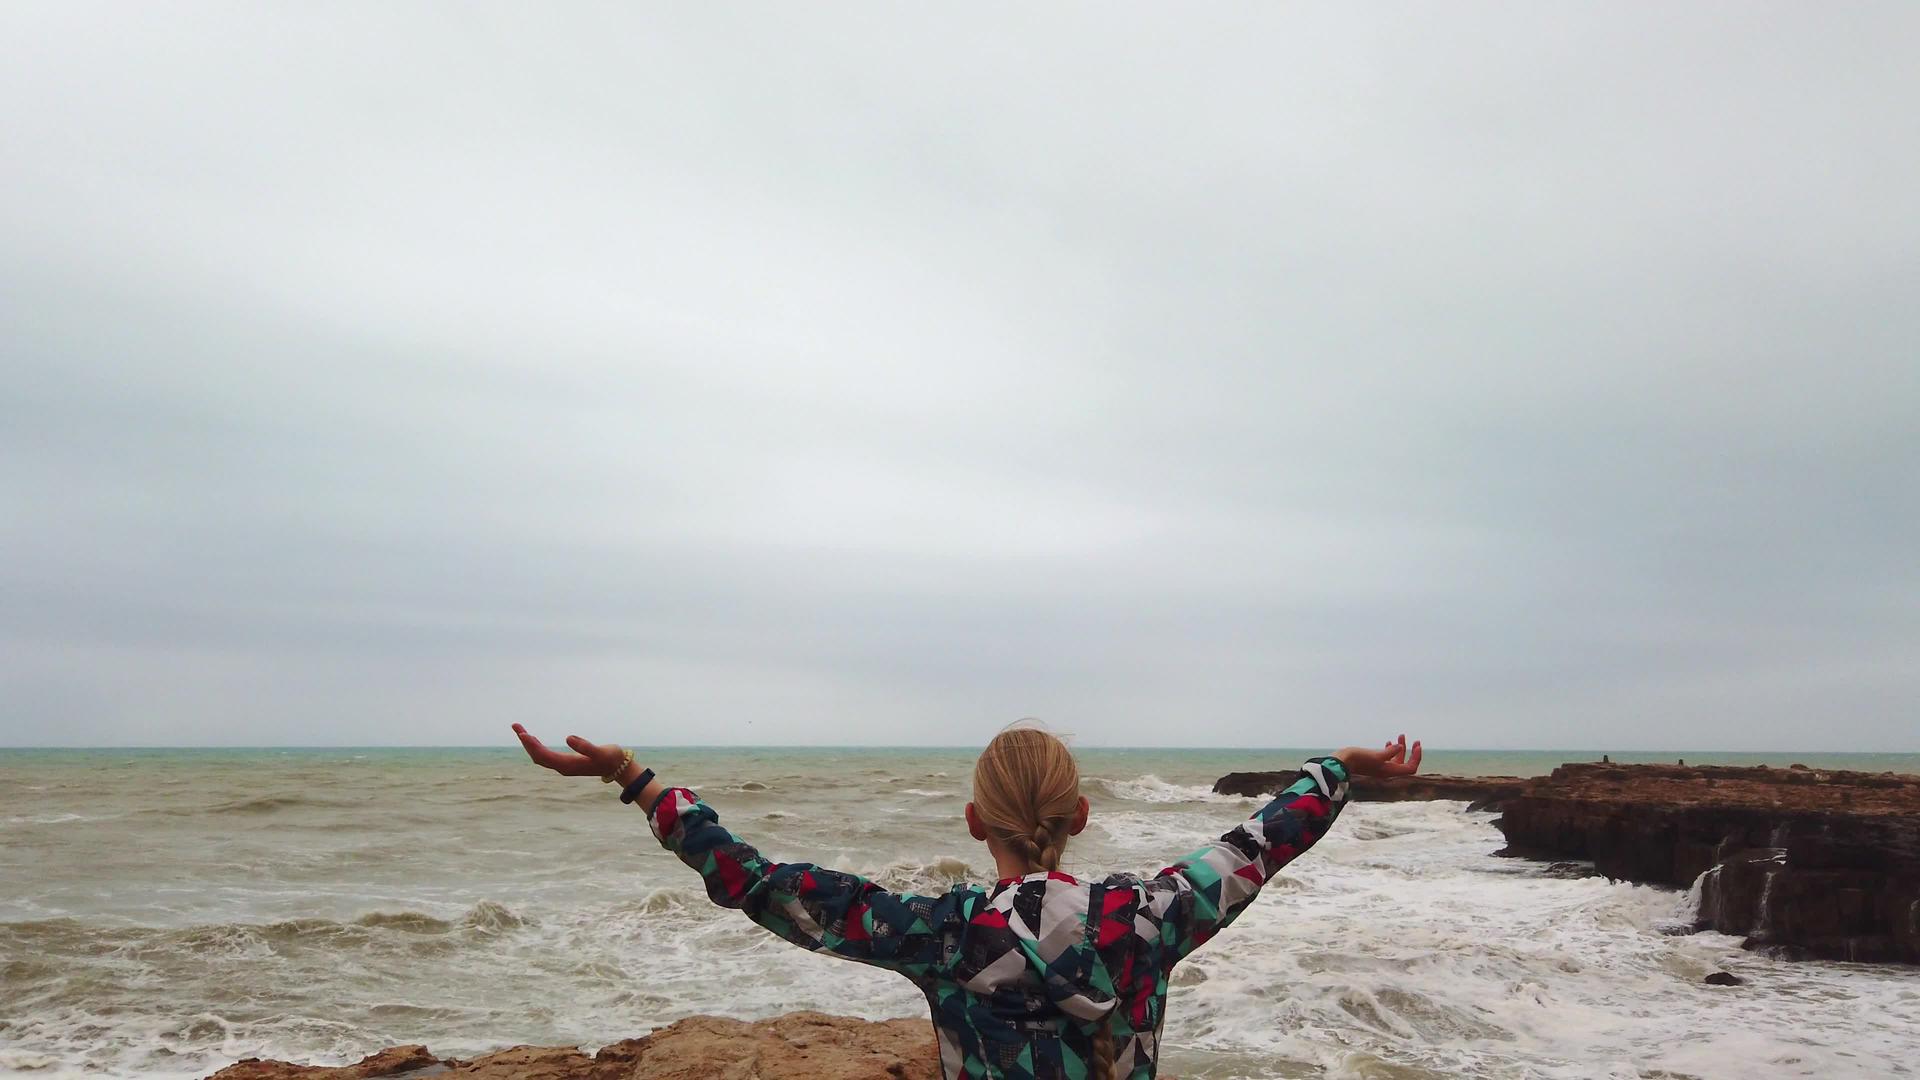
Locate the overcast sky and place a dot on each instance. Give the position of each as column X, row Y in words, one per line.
column 1532, row 375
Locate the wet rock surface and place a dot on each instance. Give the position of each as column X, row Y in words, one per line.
column 1813, row 862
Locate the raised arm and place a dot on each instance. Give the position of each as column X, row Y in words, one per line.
column 815, row 908
column 1212, row 886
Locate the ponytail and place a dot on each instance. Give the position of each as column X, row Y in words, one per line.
column 1042, row 847
column 1026, row 789
column 1102, row 1067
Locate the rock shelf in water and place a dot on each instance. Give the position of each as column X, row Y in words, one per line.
column 1812, row 862
column 1480, row 792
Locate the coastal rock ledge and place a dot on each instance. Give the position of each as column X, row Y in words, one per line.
column 1807, row 862
column 1478, row 792
column 797, row 1046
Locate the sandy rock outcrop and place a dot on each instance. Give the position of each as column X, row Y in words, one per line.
column 393, row 1061
column 797, row 1046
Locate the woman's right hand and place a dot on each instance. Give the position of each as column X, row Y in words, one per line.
column 1393, row 759
column 590, row 759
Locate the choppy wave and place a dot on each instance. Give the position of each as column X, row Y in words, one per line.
column 933, row 876
column 1150, row 788
column 521, row 798
column 667, row 901
column 483, row 912
column 261, row 804
column 52, row 937
column 413, row 922
column 46, row 819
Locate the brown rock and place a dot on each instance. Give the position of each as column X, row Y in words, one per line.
column 1482, row 792
column 1800, row 860
column 531, row 1063
column 389, row 1062
column 797, row 1046
column 1821, row 863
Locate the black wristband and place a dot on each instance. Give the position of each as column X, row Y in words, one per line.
column 632, row 791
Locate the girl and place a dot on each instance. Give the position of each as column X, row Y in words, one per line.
column 1040, row 976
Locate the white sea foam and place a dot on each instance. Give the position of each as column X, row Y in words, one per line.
column 160, row 945
column 1150, row 788
column 46, row 819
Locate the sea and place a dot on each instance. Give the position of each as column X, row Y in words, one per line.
column 166, row 912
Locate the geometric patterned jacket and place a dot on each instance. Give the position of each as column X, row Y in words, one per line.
column 1021, row 974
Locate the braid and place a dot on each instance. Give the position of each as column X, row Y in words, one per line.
column 1026, row 793
column 1048, row 840
column 1026, row 789
column 1027, row 848
column 1102, row 1067
column 1041, row 848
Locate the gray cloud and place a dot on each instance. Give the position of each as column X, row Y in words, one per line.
column 1529, row 376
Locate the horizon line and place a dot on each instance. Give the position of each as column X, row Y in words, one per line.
column 936, row 746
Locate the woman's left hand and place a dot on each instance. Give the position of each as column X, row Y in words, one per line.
column 591, row 759
column 1393, row 759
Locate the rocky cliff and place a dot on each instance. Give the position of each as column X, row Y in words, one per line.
column 1810, row 861
column 1820, row 863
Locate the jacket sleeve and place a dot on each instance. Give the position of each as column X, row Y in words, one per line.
column 817, row 909
column 1213, row 885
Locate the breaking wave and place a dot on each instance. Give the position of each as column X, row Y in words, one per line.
column 430, row 903
column 1150, row 788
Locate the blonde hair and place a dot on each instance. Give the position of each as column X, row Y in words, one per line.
column 1026, row 791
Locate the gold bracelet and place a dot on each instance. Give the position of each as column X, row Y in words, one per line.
column 626, row 759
